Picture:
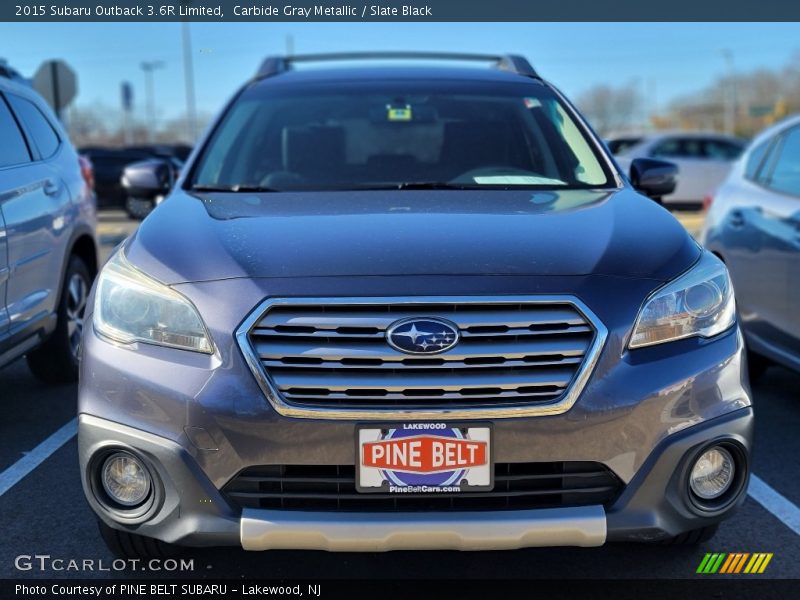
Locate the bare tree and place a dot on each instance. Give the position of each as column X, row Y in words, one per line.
column 611, row 108
column 100, row 125
column 178, row 130
column 761, row 97
column 88, row 125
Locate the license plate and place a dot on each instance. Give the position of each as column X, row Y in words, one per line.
column 424, row 458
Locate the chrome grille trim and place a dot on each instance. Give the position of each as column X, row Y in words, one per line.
column 360, row 377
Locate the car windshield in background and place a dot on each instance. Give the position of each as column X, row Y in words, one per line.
column 618, row 145
column 397, row 137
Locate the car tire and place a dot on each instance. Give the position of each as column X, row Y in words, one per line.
column 756, row 365
column 57, row 359
column 124, row 544
column 693, row 537
column 138, row 208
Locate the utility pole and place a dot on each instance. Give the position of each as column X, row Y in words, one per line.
column 126, row 90
column 652, row 101
column 730, row 93
column 188, row 78
column 149, row 91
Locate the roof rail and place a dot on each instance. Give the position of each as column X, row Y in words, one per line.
column 9, row 72
column 513, row 63
column 6, row 71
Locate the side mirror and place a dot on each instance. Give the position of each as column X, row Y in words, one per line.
column 654, row 178
column 148, row 178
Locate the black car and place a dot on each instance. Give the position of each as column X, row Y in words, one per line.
column 109, row 166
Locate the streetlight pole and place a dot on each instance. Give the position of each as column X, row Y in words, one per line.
column 730, row 93
column 188, row 78
column 149, row 91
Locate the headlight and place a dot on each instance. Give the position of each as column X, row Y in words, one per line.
column 132, row 307
column 699, row 303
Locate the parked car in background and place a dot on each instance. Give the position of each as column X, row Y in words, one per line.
column 617, row 145
column 703, row 160
column 753, row 224
column 410, row 307
column 48, row 252
column 109, row 165
column 179, row 151
column 87, row 170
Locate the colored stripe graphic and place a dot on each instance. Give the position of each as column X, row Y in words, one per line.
column 740, row 564
column 731, row 563
column 711, row 563
column 728, row 562
column 716, row 565
column 752, row 562
column 757, row 566
column 703, row 563
column 765, row 563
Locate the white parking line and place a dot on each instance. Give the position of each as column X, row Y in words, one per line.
column 16, row 472
column 785, row 510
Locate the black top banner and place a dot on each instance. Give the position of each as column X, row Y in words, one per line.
column 399, row 10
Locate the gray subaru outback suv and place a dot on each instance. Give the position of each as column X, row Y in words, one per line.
column 48, row 253
column 410, row 306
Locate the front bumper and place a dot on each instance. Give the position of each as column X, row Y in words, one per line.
column 378, row 532
column 190, row 510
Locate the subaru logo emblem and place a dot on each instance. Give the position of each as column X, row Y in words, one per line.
column 422, row 335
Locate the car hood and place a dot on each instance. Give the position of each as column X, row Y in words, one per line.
column 201, row 237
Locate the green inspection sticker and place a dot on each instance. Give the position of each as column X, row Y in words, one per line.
column 395, row 113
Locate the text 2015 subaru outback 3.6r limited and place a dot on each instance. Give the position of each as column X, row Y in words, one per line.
column 410, row 307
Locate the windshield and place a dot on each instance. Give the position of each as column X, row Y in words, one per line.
column 404, row 136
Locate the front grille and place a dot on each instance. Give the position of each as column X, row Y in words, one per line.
column 337, row 355
column 517, row 486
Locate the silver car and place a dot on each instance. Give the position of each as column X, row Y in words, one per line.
column 703, row 160
column 753, row 225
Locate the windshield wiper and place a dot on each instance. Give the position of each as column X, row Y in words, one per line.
column 238, row 188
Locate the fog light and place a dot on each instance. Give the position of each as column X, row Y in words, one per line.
column 125, row 479
column 712, row 474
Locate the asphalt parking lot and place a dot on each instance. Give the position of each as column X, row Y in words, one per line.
column 44, row 512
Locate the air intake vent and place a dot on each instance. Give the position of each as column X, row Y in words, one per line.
column 518, row 486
